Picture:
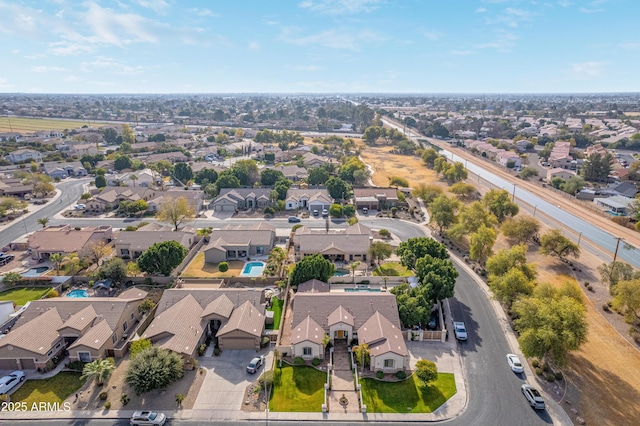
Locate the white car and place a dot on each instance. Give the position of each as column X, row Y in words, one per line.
column 79, row 207
column 460, row 330
column 514, row 363
column 533, row 397
column 7, row 383
column 144, row 418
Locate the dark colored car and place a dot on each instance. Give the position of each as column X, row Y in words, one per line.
column 293, row 219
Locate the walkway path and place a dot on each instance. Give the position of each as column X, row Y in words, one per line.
column 342, row 384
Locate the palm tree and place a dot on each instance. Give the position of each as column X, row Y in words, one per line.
column 101, row 369
column 134, row 178
column 353, row 267
column 57, row 259
column 43, row 221
column 205, row 232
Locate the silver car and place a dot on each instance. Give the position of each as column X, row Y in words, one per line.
column 7, row 383
column 533, row 397
column 150, row 418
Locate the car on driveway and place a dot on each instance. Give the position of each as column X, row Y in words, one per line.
column 293, row 219
column 514, row 363
column 255, row 364
column 325, row 213
column 8, row 382
column 147, row 418
column 533, row 397
column 460, row 330
column 79, row 207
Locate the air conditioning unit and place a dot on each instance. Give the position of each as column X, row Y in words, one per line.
column 125, row 336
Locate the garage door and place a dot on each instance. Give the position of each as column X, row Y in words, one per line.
column 8, row 364
column 225, row 208
column 28, row 364
column 236, row 343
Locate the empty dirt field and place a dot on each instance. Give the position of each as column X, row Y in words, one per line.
column 385, row 165
column 30, row 125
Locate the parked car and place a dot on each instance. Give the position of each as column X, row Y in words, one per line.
column 316, row 213
column 460, row 330
column 255, row 364
column 514, row 363
column 533, row 396
column 79, row 207
column 144, row 418
column 365, row 210
column 325, row 213
column 7, row 383
column 433, row 321
column 293, row 219
column 4, row 259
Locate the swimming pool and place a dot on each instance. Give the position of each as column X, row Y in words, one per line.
column 252, row 269
column 77, row 294
column 341, row 273
column 35, row 272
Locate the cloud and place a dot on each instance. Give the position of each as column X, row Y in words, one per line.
column 4, row 84
column 503, row 43
column 254, row 45
column 106, row 63
column 203, row 12
column 44, row 68
column 461, row 52
column 564, row 3
column 512, row 17
column 72, row 78
column 481, row 10
column 432, row 34
column 308, row 68
column 589, row 69
column 119, row 28
column 340, row 7
column 591, row 10
column 333, row 38
column 35, row 56
column 158, row 6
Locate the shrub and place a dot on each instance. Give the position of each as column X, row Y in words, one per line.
column 51, row 293
column 124, row 399
column 76, row 365
column 103, row 396
column 586, row 283
column 201, row 349
column 538, row 371
column 384, row 233
column 266, row 379
column 590, row 288
column 223, row 267
column 298, row 360
column 316, row 362
column 535, row 363
column 138, row 346
column 401, row 375
column 216, row 351
column 550, row 377
column 179, row 399
column 148, row 281
column 107, row 405
column 605, row 307
column 546, row 368
column 380, row 375
column 146, row 305
column 153, row 368
column 269, row 210
column 559, row 375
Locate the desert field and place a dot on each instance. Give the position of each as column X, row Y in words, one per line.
column 29, row 125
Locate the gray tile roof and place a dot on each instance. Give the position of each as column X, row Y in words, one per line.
column 353, row 240
column 205, row 296
column 378, row 193
column 247, row 318
column 340, row 314
column 81, row 319
column 36, row 336
column 222, row 306
column 314, row 286
column 382, row 336
column 307, row 330
column 142, row 240
column 96, row 337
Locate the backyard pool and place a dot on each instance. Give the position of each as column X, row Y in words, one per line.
column 341, row 273
column 35, row 272
column 78, row 294
column 252, row 269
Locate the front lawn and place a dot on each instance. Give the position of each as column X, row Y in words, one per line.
column 276, row 307
column 392, row 269
column 297, row 389
column 198, row 268
column 407, row 396
column 23, row 295
column 53, row 389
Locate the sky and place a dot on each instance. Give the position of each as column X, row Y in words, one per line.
column 319, row 46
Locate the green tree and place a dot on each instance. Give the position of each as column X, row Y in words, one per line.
column 596, row 167
column 43, row 221
column 455, row 173
column 498, row 202
column 146, row 306
column 100, row 182
column 227, row 179
column 127, row 135
column 471, row 218
column 443, row 211
column 99, row 369
column 573, row 185
column 349, row 210
column 10, row 279
column 205, row 176
column 183, row 172
column 379, row 251
column 553, row 243
column 176, row 212
column 335, row 210
column 436, row 278
column 414, row 248
column 246, row 171
column 110, row 135
column 550, row 323
column 426, row 371
column 413, row 309
column 509, row 287
column 269, row 177
column 462, row 189
column 614, row 272
column 528, row 172
column 114, row 269
column 138, row 346
column 362, row 355
column 427, row 193
column 122, row 162
column 481, row 244
column 162, row 258
column 398, row 181
column 338, row 188
column 521, row 228
column 318, row 176
column 429, row 156
column 153, row 368
column 627, row 299
column 506, row 259
column 56, row 259
column 311, row 267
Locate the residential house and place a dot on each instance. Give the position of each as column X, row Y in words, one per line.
column 625, row 189
column 65, row 239
column 618, row 204
column 185, row 317
column 110, row 197
column 234, row 242
column 15, row 187
column 312, row 160
column 131, row 244
column 313, row 286
column 293, row 172
column 507, row 157
column 561, row 173
column 561, row 156
column 375, row 198
column 64, row 170
column 88, row 328
column 371, row 318
column 8, row 136
column 173, row 157
column 25, row 155
column 194, row 199
column 278, row 154
column 84, row 149
column 233, row 199
column 144, row 178
column 311, row 199
column 341, row 245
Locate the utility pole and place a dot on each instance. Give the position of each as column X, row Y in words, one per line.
column 513, row 196
column 615, row 255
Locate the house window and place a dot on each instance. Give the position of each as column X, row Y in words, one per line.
column 124, row 252
column 260, row 250
column 58, row 345
column 388, row 363
column 306, row 351
column 114, row 338
column 132, row 315
column 49, row 353
column 84, row 356
column 125, row 326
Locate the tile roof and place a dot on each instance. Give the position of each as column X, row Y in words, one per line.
column 353, row 240
column 382, row 336
column 313, row 286
column 206, row 296
column 222, row 306
column 64, row 238
column 36, row 336
column 81, row 319
column 246, row 318
column 340, row 315
column 133, row 293
column 142, row 240
column 307, row 330
column 388, row 193
column 95, row 337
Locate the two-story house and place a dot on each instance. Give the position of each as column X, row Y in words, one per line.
column 234, row 199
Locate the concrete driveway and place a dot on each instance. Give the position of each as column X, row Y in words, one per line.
column 222, row 392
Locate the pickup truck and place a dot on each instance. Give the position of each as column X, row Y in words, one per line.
column 460, row 330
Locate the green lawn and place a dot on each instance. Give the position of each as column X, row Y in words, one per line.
column 53, row 389
column 23, row 295
column 392, row 269
column 407, row 396
column 297, row 389
column 276, row 307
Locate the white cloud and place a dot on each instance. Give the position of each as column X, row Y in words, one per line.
column 67, row 48
column 340, row 7
column 432, row 34
column 203, row 12
column 72, row 78
column 565, row 3
column 308, row 68
column 106, row 63
column 119, row 28
column 589, row 69
column 158, row 6
column 503, row 43
column 254, row 45
column 511, row 17
column 44, row 68
column 333, row 38
column 35, row 56
column 590, row 10
column 15, row 51
column 461, row 52
column 481, row 10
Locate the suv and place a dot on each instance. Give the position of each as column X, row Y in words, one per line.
column 254, row 364
column 533, row 397
column 325, row 213
column 460, row 330
column 144, row 418
column 4, row 259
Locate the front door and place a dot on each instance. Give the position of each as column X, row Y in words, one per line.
column 340, row 334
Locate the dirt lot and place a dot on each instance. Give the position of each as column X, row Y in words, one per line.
column 385, row 165
column 198, row 268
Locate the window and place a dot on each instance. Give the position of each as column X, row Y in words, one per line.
column 388, row 363
column 132, row 315
column 49, row 353
column 84, row 356
column 306, row 351
column 58, row 345
column 124, row 252
column 114, row 338
column 125, row 326
column 260, row 250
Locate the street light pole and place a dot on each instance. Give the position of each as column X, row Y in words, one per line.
column 534, row 210
column 513, row 196
column 25, row 226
